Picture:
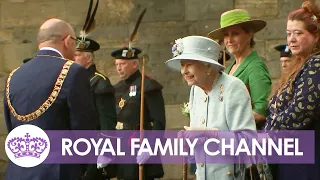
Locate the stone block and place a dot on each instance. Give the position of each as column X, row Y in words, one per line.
column 111, row 36
column 286, row 6
column 114, row 12
column 275, row 29
column 5, row 36
column 262, row 8
column 2, row 68
column 164, row 10
column 274, row 68
column 12, row 59
column 203, row 27
column 271, row 53
column 31, row 13
column 3, row 155
column 3, row 126
column 260, row 48
column 206, row 9
column 175, row 119
column 76, row 12
column 162, row 32
column 175, row 91
column 25, row 35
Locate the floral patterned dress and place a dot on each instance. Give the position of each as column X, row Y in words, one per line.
column 299, row 109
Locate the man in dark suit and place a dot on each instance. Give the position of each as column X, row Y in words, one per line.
column 68, row 101
column 103, row 96
column 127, row 93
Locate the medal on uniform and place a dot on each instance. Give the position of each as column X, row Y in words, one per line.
column 133, row 90
column 121, row 103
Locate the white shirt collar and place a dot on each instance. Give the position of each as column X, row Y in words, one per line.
column 52, row 49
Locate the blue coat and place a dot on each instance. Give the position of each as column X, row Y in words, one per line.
column 73, row 109
column 226, row 107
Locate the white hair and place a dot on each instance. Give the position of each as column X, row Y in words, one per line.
column 215, row 68
column 89, row 54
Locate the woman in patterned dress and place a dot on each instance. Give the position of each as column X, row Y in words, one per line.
column 295, row 103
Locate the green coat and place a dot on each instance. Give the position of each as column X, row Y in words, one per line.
column 128, row 114
column 254, row 73
column 104, row 98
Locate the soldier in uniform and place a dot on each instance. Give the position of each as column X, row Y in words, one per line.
column 103, row 96
column 127, row 93
column 128, row 101
column 285, row 57
column 34, row 95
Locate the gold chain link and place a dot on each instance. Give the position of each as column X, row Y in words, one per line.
column 47, row 104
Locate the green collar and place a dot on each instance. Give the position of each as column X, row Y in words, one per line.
column 243, row 64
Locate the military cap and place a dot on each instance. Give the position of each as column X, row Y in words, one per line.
column 284, row 50
column 87, row 45
column 125, row 53
column 26, row 60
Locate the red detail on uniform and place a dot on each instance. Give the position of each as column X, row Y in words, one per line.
column 148, row 76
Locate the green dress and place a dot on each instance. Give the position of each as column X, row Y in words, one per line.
column 254, row 74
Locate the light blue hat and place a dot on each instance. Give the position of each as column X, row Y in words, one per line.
column 196, row 48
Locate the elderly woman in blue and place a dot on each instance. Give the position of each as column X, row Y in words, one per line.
column 295, row 103
column 217, row 100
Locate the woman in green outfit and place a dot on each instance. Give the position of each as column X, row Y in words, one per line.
column 237, row 30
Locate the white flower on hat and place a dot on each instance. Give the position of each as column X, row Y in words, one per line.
column 177, row 48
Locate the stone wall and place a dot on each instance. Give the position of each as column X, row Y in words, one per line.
column 165, row 21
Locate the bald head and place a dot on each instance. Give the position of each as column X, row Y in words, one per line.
column 58, row 34
column 54, row 30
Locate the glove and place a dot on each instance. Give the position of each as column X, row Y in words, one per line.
column 143, row 157
column 196, row 132
column 103, row 161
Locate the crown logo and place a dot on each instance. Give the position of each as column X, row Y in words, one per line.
column 28, row 146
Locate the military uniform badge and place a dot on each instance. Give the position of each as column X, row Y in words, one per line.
column 121, row 103
column 119, row 125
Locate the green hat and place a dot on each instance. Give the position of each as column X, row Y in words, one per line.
column 236, row 17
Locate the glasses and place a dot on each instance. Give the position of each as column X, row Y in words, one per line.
column 77, row 40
